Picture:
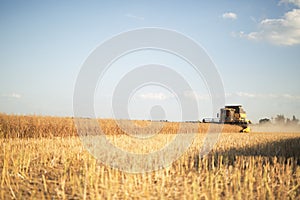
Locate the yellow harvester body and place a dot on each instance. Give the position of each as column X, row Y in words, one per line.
column 235, row 114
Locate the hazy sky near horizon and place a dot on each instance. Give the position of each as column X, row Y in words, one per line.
column 255, row 46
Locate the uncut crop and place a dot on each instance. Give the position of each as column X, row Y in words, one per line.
column 12, row 126
column 240, row 166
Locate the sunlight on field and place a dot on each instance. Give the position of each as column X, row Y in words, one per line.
column 240, row 166
column 252, row 166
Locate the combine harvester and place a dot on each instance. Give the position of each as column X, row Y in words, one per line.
column 232, row 114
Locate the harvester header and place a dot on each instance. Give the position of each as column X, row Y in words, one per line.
column 232, row 114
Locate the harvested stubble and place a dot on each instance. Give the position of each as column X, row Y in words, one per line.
column 240, row 166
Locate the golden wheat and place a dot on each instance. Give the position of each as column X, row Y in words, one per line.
column 240, row 166
column 14, row 126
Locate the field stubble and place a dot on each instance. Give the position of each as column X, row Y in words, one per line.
column 240, row 166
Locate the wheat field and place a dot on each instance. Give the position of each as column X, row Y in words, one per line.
column 43, row 158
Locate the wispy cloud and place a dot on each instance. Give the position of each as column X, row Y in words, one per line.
column 229, row 15
column 249, row 95
column 278, row 31
column 246, row 94
column 263, row 96
column 132, row 16
column 155, row 96
column 12, row 95
column 295, row 2
column 196, row 95
column 161, row 96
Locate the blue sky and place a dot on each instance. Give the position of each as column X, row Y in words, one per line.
column 255, row 45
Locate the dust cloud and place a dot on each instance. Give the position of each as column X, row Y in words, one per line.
column 275, row 128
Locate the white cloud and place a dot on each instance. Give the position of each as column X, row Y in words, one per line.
column 246, row 94
column 196, row 95
column 292, row 97
column 12, row 95
column 134, row 16
column 280, row 31
column 154, row 96
column 264, row 96
column 295, row 2
column 229, row 15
